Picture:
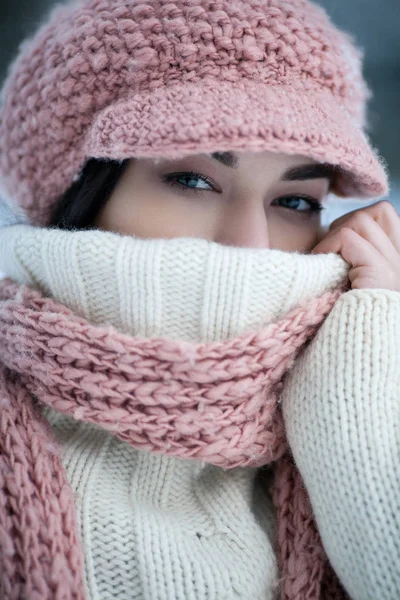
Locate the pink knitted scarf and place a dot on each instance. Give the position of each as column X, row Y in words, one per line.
column 216, row 402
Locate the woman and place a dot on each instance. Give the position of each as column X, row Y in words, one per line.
column 163, row 436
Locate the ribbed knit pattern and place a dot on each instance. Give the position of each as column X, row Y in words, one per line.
column 214, row 403
column 342, row 412
column 124, row 78
column 156, row 527
column 183, row 288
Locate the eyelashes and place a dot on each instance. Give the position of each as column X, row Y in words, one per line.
column 314, row 205
column 172, row 179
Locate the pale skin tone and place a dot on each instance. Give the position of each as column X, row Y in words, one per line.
column 255, row 200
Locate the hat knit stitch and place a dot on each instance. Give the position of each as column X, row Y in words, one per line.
column 135, row 78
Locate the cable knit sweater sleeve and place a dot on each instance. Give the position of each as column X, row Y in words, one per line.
column 341, row 406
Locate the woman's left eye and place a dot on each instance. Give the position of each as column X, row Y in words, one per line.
column 189, row 180
column 299, row 203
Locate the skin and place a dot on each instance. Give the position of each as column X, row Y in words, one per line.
column 240, row 205
column 369, row 240
column 255, row 200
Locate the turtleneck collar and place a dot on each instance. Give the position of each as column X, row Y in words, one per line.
column 183, row 288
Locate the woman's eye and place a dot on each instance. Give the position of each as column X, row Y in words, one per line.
column 189, row 180
column 299, row 203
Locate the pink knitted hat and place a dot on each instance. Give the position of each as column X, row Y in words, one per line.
column 147, row 78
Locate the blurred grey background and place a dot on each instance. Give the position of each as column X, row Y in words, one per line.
column 375, row 25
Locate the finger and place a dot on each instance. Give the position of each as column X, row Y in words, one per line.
column 372, row 209
column 383, row 213
column 370, row 230
column 356, row 250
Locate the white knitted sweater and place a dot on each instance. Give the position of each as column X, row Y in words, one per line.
column 158, row 528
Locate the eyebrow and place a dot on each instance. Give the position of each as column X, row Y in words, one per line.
column 313, row 171
column 229, row 159
column 298, row 173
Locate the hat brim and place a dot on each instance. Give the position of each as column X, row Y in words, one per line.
column 190, row 118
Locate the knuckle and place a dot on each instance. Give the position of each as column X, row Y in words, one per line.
column 361, row 218
column 386, row 207
column 346, row 231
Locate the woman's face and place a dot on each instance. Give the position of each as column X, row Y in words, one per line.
column 255, row 200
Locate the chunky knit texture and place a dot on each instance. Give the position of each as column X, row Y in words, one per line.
column 214, row 403
column 124, row 78
column 40, row 556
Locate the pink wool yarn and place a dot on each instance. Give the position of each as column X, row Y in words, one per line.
column 216, row 402
column 117, row 79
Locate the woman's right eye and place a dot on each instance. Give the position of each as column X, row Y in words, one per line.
column 189, row 180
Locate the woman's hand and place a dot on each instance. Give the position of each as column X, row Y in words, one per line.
column 369, row 240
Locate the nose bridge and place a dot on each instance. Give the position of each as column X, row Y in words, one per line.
column 244, row 224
